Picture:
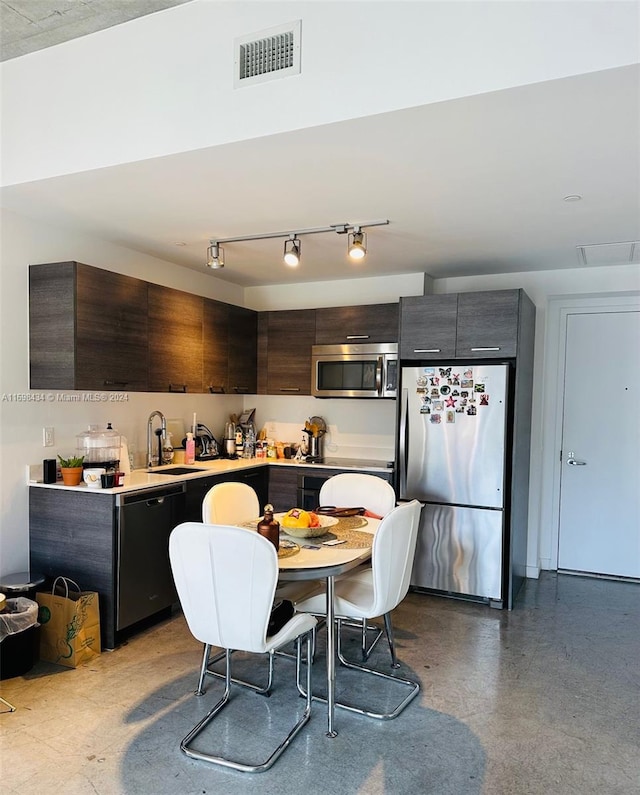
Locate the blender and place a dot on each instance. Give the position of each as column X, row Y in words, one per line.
column 230, row 439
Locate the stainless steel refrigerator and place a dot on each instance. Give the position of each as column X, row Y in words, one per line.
column 453, row 456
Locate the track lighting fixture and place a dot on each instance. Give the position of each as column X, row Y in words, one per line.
column 215, row 256
column 292, row 251
column 356, row 245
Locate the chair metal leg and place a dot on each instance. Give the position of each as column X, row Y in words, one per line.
column 413, row 687
column 207, row 670
column 392, row 646
column 244, row 766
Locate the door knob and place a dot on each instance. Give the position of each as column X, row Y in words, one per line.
column 573, row 463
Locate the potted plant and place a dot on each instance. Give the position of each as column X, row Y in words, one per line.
column 71, row 469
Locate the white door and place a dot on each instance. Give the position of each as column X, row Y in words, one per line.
column 600, row 476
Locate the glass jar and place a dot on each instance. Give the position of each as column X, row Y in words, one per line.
column 167, row 449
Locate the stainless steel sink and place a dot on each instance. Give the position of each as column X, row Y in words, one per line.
column 175, row 471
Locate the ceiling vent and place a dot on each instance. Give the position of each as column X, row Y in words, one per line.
column 268, row 55
column 609, row 253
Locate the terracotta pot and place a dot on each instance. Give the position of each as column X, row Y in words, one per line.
column 71, row 476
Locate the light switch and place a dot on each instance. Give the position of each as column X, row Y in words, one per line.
column 47, row 437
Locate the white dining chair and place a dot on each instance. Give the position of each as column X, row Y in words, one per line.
column 232, row 503
column 355, row 489
column 226, row 580
column 368, row 593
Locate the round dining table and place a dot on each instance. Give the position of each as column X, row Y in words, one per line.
column 317, row 561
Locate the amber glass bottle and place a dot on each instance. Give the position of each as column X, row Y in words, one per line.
column 269, row 527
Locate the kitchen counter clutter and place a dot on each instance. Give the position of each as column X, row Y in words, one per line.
column 140, row 479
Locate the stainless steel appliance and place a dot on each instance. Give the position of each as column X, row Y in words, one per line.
column 453, row 454
column 358, row 370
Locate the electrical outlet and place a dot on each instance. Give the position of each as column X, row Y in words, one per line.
column 47, row 437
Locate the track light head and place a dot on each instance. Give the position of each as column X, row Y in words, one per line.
column 292, row 251
column 215, row 256
column 357, row 246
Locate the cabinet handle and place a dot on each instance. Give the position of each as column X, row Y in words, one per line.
column 357, row 336
column 180, row 388
column 427, row 350
column 216, row 390
column 115, row 383
column 240, row 389
column 289, row 388
column 485, row 349
column 157, row 501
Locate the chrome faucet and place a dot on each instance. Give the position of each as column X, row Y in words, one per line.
column 161, row 436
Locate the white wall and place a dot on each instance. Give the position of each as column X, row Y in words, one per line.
column 163, row 84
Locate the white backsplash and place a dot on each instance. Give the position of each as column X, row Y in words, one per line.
column 356, row 428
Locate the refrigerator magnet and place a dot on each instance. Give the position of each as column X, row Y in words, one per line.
column 455, row 393
column 450, row 416
column 471, row 411
column 460, row 409
column 438, row 405
column 429, row 371
column 425, row 409
column 435, row 419
column 435, row 393
column 478, row 387
column 444, row 390
column 434, row 380
column 445, row 372
column 484, row 399
column 450, row 402
column 455, row 379
column 468, row 373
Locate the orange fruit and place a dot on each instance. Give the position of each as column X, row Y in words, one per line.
column 296, row 517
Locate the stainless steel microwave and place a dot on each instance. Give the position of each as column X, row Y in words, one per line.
column 369, row 370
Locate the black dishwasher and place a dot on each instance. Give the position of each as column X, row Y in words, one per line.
column 144, row 583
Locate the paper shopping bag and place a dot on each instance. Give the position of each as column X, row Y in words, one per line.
column 69, row 624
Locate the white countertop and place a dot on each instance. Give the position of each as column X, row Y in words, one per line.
column 142, row 479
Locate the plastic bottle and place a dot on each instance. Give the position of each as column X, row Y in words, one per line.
column 190, row 449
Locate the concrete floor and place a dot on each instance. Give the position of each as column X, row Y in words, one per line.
column 543, row 699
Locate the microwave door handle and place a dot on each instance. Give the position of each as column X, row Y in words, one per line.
column 379, row 375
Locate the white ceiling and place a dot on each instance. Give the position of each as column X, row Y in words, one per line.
column 470, row 186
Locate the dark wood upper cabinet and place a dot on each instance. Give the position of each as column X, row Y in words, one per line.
column 428, row 326
column 87, row 328
column 215, row 341
column 284, row 344
column 342, row 325
column 175, row 340
column 243, row 350
column 477, row 325
column 488, row 324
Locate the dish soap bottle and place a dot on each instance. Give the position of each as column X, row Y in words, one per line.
column 190, row 449
column 269, row 527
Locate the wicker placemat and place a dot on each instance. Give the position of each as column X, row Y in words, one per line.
column 344, row 530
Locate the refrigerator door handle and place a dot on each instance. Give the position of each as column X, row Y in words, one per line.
column 404, row 406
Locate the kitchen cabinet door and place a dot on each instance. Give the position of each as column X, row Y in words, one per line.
column 175, row 340
column 290, row 334
column 488, row 324
column 87, row 328
column 243, row 351
column 343, row 325
column 215, row 341
column 428, row 326
column 111, row 331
